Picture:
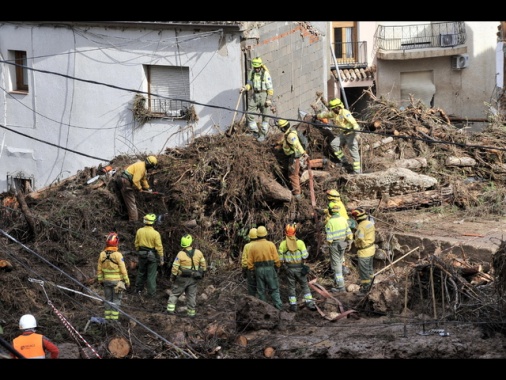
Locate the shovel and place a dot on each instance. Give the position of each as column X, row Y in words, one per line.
column 232, row 126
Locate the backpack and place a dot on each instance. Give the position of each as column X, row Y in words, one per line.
column 303, row 139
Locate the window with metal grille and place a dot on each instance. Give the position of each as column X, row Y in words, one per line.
column 169, row 90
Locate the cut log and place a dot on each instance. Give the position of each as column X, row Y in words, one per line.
column 460, row 161
column 377, row 144
column 412, row 163
column 316, row 174
column 274, row 191
column 119, row 347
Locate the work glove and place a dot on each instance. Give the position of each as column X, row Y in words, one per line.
column 348, row 247
column 149, row 190
column 120, row 286
column 243, row 88
column 268, row 103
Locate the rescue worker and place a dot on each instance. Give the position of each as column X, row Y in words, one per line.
column 263, row 258
column 365, row 237
column 292, row 253
column 346, row 134
column 31, row 344
column 112, row 274
column 134, row 178
column 295, row 152
column 334, row 196
column 188, row 268
column 249, row 275
column 148, row 244
column 338, row 234
column 260, row 82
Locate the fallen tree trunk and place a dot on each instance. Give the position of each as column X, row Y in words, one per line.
column 26, row 211
column 274, row 191
column 413, row 200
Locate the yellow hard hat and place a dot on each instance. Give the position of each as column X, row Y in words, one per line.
column 359, row 214
column 186, row 241
column 253, row 233
column 149, row 218
column 151, row 161
column 261, row 232
column 283, row 124
column 333, row 195
column 334, row 207
column 256, row 62
column 335, row 103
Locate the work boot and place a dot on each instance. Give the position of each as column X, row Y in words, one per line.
column 293, row 308
column 338, row 290
column 261, row 137
column 311, row 306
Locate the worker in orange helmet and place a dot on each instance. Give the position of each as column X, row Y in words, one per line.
column 292, row 253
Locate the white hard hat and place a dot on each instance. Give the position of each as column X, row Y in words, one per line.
column 27, row 321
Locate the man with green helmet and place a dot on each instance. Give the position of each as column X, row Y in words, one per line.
column 260, row 82
column 148, row 244
column 188, row 268
column 346, row 134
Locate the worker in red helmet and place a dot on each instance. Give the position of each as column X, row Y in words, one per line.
column 113, row 275
column 292, row 253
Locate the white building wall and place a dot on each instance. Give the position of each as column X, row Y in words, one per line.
column 95, row 118
column 461, row 93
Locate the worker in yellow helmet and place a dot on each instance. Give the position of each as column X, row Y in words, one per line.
column 134, row 178
column 364, row 240
column 188, row 268
column 337, row 235
column 260, row 101
column 148, row 244
column 345, row 133
column 249, row 275
column 295, row 152
column 334, row 196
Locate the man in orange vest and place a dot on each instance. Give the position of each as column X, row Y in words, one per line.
column 32, row 345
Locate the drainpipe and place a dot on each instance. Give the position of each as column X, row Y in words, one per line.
column 339, row 77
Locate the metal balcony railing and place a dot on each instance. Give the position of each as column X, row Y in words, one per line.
column 420, row 36
column 351, row 54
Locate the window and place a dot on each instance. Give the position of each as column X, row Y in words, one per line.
column 345, row 41
column 21, row 72
column 168, row 82
column 20, row 182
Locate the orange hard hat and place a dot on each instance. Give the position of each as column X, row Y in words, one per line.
column 290, row 230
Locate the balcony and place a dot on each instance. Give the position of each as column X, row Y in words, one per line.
column 350, row 54
column 420, row 40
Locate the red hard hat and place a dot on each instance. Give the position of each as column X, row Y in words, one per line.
column 112, row 240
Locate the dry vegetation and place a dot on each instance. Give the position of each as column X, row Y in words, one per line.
column 214, row 189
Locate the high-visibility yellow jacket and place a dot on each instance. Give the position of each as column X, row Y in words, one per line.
column 263, row 251
column 183, row 261
column 148, row 237
column 111, row 266
column 139, row 172
column 365, row 236
column 342, row 119
column 337, row 228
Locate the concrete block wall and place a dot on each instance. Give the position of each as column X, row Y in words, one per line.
column 296, row 58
